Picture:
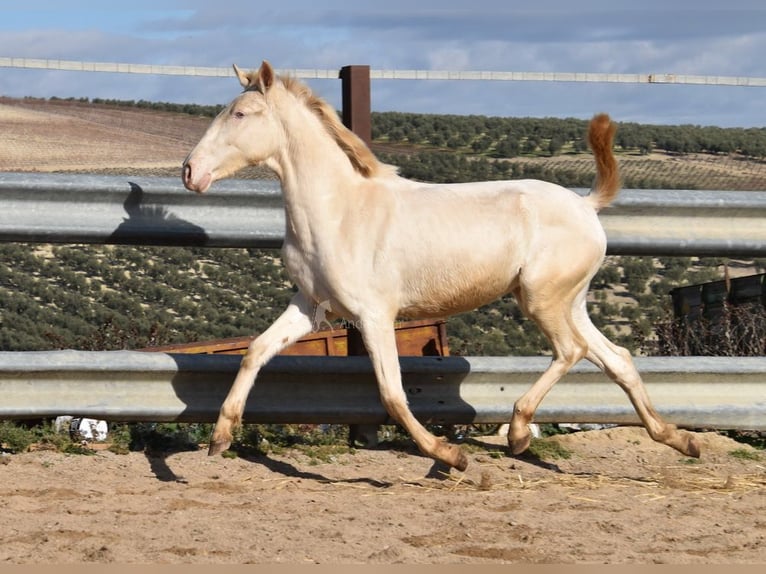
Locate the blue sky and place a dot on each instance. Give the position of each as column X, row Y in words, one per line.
column 651, row 36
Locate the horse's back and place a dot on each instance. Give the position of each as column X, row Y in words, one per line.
column 456, row 247
column 527, row 206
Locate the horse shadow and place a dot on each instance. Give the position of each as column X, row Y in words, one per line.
column 154, row 224
column 203, row 381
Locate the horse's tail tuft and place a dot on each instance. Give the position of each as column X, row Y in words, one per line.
column 600, row 137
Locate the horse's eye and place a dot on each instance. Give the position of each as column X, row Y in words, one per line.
column 239, row 115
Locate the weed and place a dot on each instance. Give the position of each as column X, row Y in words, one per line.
column 15, row 438
column 19, row 437
column 75, row 448
column 319, row 442
column 119, row 437
column 167, row 437
column 745, row 454
column 756, row 439
column 324, row 452
column 548, row 449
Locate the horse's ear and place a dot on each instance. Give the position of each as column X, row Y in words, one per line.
column 266, row 76
column 241, row 76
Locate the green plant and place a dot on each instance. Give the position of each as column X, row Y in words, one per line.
column 15, row 438
column 548, row 449
column 119, row 438
column 745, row 454
column 319, row 442
column 168, row 437
column 18, row 437
column 756, row 439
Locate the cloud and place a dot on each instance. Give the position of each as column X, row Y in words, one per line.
column 653, row 36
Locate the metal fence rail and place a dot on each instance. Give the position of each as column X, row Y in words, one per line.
column 698, row 392
column 695, row 392
column 484, row 75
column 248, row 213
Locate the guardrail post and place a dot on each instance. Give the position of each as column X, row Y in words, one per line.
column 356, row 101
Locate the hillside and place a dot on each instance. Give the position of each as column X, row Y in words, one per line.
column 107, row 297
column 67, row 136
column 74, row 135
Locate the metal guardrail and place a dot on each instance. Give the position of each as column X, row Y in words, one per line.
column 82, row 208
column 694, row 392
column 79, row 208
column 698, row 392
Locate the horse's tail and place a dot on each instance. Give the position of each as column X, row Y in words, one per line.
column 600, row 137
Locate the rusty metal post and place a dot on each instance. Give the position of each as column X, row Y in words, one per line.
column 356, row 101
column 356, row 117
column 359, row 435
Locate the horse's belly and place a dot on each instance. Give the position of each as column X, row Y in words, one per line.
column 448, row 294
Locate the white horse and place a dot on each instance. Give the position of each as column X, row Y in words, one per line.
column 367, row 245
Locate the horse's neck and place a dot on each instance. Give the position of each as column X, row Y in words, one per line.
column 318, row 185
column 316, row 177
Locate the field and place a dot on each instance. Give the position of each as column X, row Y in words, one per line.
column 71, row 136
column 604, row 496
column 64, row 135
column 42, row 136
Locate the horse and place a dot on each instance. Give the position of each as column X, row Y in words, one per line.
column 364, row 244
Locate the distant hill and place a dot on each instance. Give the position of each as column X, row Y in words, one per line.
column 57, row 135
column 154, row 137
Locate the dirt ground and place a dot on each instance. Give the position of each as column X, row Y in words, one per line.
column 619, row 498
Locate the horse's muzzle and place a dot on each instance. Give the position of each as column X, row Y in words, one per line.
column 186, row 174
column 188, row 177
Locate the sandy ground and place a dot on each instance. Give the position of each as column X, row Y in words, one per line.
column 619, row 498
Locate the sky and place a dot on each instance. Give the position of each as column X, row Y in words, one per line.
column 700, row 37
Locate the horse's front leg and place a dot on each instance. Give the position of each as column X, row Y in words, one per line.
column 296, row 321
column 380, row 340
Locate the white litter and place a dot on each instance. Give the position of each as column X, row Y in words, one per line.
column 88, row 429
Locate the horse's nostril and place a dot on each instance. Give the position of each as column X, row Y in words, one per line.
column 186, row 174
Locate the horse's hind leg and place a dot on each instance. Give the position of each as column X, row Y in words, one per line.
column 296, row 321
column 568, row 348
column 380, row 341
column 617, row 363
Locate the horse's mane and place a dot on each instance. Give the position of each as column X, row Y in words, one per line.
column 360, row 156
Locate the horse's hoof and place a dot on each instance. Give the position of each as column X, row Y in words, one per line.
column 462, row 460
column 217, row 447
column 692, row 447
column 519, row 445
